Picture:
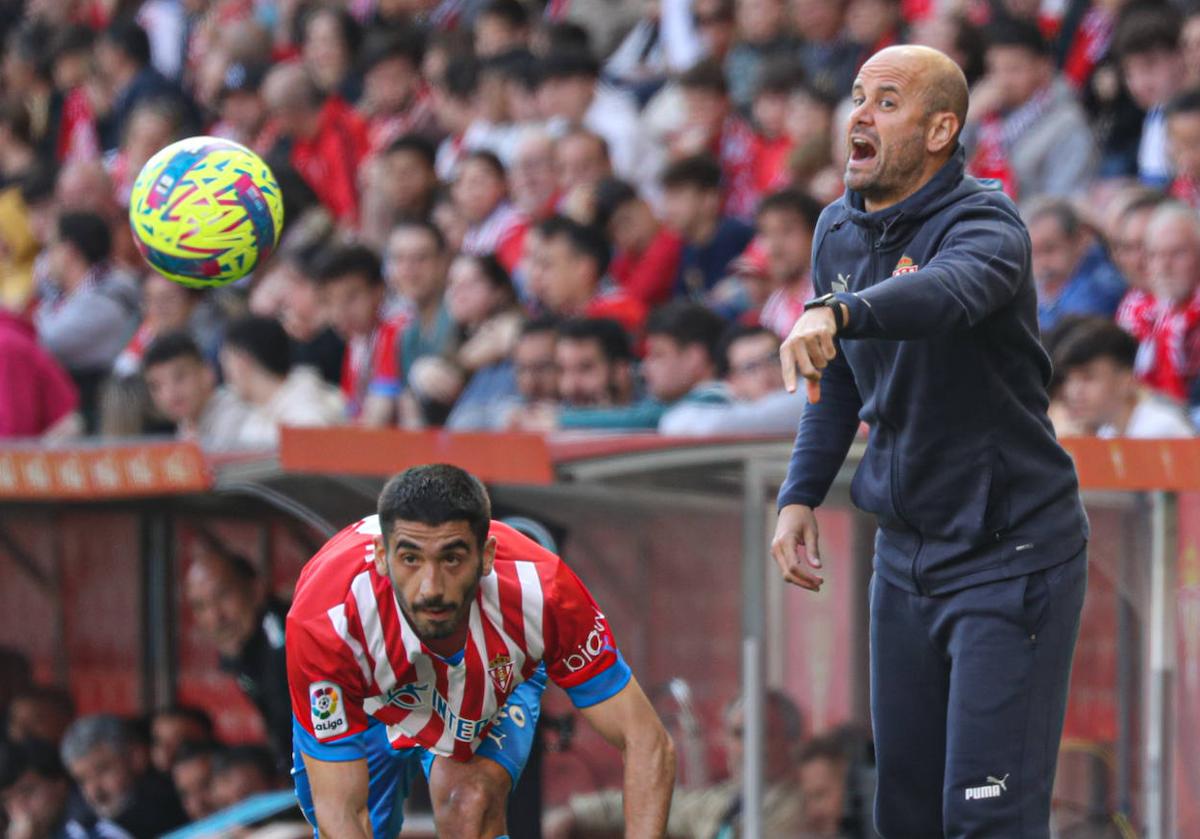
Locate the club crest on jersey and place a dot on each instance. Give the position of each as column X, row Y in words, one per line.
column 905, row 266
column 500, row 669
column 328, row 709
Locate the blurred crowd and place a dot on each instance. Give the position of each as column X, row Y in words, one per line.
column 513, row 214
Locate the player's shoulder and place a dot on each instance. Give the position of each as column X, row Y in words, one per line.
column 327, row 577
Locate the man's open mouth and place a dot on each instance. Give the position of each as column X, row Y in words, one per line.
column 861, row 149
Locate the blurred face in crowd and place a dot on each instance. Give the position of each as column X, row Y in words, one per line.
column 409, row 181
column 85, row 185
column 823, row 782
column 1152, row 77
column 193, row 782
column 1189, row 42
column 1183, row 140
column 449, row 219
column 780, row 745
column 818, row 20
column 770, row 113
column 567, row 98
column 582, row 161
column 416, row 269
column 671, row 369
column 1017, row 73
column 300, row 308
column 245, row 111
column 106, row 778
column 715, row 25
column 633, row 226
column 37, row 801
column 571, row 278
column 1173, row 257
column 1095, row 393
column 586, row 378
column 1129, row 248
column 691, row 211
column 1055, row 252
column 224, row 606
column 869, row 20
column 71, row 69
column 180, row 388
column 533, row 358
column 435, row 572
column 532, row 177
column 478, row 190
column 706, row 109
column 787, row 239
column 388, row 84
column 237, row 783
column 166, row 306
column 167, row 733
column 754, row 366
column 147, row 132
column 807, row 118
column 470, row 297
column 494, row 35
column 760, row 20
column 325, row 50
column 351, row 303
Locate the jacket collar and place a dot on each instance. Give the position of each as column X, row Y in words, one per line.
column 924, row 202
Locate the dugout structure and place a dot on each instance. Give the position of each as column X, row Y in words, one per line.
column 671, row 536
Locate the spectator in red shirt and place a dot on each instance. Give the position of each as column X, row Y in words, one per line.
column 574, row 258
column 1169, row 358
column 646, row 254
column 36, row 395
column 328, row 140
column 352, row 292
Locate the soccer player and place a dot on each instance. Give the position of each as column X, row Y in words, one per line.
column 425, row 633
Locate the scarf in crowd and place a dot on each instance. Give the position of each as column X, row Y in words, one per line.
column 1089, row 45
column 1170, row 358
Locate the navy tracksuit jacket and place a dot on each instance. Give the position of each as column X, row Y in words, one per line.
column 977, row 504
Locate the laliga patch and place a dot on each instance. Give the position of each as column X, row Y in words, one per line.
column 328, row 710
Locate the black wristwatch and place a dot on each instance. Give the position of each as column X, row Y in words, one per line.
column 829, row 301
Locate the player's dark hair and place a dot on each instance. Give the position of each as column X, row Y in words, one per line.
column 610, row 196
column 609, row 335
column 404, row 43
column 732, row 335
column 488, row 159
column 264, row 340
column 1143, row 30
column 129, row 39
column 348, row 261
column 583, row 240
column 1187, row 102
column 35, row 756
column 512, row 12
column 700, row 171
column 170, row 346
column 1092, row 339
column 1020, row 34
column 87, row 233
column 794, row 201
column 416, row 144
column 569, row 64
column 688, row 323
column 435, row 494
column 707, row 75
column 193, row 749
column 188, row 712
column 427, row 227
column 257, row 758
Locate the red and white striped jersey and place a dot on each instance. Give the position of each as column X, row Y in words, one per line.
column 352, row 654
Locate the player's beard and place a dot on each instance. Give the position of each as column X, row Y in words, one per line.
column 433, row 630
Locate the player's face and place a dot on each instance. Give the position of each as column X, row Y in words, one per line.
column 106, row 780
column 886, row 131
column 435, row 572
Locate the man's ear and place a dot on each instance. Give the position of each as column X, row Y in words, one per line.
column 942, row 131
column 489, row 555
column 380, row 557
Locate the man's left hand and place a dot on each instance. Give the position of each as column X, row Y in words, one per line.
column 808, row 350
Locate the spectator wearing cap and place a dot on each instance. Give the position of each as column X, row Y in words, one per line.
column 37, row 397
column 1169, row 357
column 1095, row 360
column 328, row 140
column 1146, row 45
column 114, row 774
column 759, row 404
column 417, row 262
column 352, row 292
column 1183, row 146
column 39, row 712
column 173, row 726
column 712, row 127
column 183, row 388
column 646, row 253
column 595, row 364
column 764, row 35
column 123, row 59
column 93, row 310
column 1026, row 117
column 574, row 258
column 494, row 225
column 35, row 791
column 711, row 240
column 396, row 101
column 243, row 114
column 399, row 183
column 500, row 27
column 191, row 772
column 256, row 361
column 1070, row 267
column 572, row 95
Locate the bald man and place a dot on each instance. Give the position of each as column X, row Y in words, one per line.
column 925, row 328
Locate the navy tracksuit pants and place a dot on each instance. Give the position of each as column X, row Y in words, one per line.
column 968, row 696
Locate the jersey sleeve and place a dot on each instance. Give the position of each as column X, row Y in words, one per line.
column 327, row 691
column 385, row 365
column 581, row 656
